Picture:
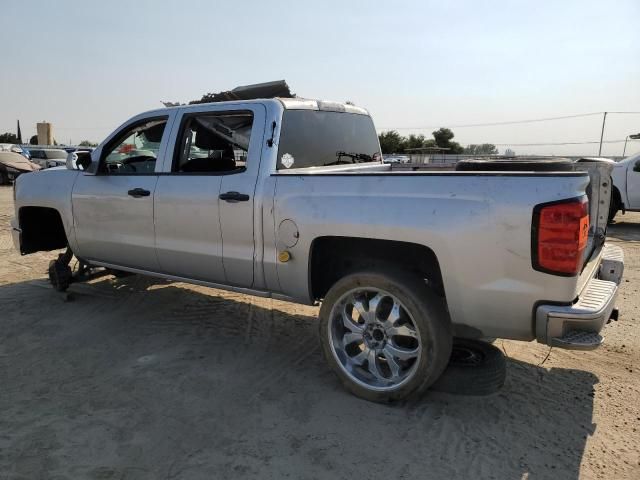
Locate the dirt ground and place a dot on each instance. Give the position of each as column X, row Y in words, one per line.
column 139, row 378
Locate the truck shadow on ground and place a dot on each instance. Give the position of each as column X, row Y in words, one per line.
column 624, row 229
column 142, row 378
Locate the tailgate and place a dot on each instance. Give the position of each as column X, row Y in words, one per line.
column 599, row 194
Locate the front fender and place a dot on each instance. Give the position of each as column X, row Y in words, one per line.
column 49, row 188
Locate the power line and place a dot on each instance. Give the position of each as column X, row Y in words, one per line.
column 508, row 122
column 82, row 128
column 553, row 144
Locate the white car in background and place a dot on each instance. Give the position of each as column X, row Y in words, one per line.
column 626, row 186
column 396, row 158
column 10, row 147
column 48, row 157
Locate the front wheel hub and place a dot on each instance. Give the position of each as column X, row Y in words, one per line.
column 374, row 337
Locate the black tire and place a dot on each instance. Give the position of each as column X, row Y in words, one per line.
column 428, row 313
column 475, row 368
column 4, row 178
column 614, row 205
column 516, row 165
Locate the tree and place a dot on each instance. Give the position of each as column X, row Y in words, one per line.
column 391, row 142
column 414, row 141
column 8, row 138
column 482, row 149
column 33, row 140
column 444, row 137
column 87, row 143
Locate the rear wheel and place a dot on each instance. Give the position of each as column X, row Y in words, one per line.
column 385, row 334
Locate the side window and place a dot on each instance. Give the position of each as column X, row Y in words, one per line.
column 213, row 143
column 636, row 167
column 135, row 151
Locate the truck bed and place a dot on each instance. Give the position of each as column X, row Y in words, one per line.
column 478, row 224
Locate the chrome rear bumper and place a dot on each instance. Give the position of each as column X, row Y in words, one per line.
column 578, row 326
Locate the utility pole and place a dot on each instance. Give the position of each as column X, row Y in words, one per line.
column 604, row 119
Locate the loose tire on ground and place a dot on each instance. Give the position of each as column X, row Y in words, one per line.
column 475, row 368
column 409, row 316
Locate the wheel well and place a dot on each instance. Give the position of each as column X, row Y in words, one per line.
column 331, row 258
column 42, row 230
column 616, row 197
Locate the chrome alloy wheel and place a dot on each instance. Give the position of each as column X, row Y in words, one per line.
column 374, row 339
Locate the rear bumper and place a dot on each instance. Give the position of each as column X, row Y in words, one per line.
column 578, row 326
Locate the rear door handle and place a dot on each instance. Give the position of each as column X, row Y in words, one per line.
column 139, row 192
column 234, row 197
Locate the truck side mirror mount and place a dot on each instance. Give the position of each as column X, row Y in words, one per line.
column 79, row 160
column 72, row 160
column 84, row 160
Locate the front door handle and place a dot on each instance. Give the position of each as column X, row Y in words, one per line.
column 139, row 192
column 234, row 197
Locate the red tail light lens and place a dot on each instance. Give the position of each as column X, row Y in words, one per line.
column 560, row 234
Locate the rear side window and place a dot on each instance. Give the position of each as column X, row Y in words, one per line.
column 213, row 143
column 311, row 138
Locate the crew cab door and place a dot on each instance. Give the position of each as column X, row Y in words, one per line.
column 205, row 197
column 633, row 185
column 113, row 200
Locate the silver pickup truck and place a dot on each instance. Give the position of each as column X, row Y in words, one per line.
column 290, row 198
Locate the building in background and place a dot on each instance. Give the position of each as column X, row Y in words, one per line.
column 45, row 133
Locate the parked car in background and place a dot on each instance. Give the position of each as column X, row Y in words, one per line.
column 396, row 158
column 626, row 186
column 49, row 157
column 25, row 152
column 11, row 147
column 12, row 165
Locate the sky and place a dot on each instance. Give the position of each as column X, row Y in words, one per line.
column 87, row 66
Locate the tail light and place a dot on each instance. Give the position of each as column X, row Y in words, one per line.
column 559, row 237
